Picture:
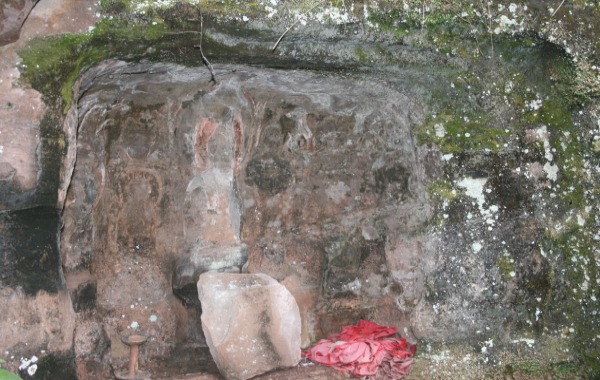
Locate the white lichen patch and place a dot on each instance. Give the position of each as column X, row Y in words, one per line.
column 443, row 356
column 474, row 189
column 542, row 134
column 504, row 24
column 551, row 171
column 529, row 342
column 535, row 105
column 141, row 6
column 333, row 15
column 440, row 131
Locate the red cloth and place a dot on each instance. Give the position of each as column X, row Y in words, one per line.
column 366, row 349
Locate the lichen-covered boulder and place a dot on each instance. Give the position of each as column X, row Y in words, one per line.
column 251, row 323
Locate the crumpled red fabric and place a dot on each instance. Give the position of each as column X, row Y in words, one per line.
column 366, row 349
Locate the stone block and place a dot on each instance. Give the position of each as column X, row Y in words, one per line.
column 251, row 323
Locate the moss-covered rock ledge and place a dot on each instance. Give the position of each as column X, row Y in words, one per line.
column 510, row 95
column 321, row 31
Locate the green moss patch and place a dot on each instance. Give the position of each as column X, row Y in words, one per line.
column 52, row 65
column 460, row 131
column 579, row 291
column 506, row 266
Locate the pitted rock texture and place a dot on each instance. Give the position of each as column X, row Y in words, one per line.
column 28, row 323
column 251, row 323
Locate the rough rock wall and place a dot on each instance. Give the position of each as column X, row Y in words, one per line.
column 513, row 202
column 317, row 181
column 38, row 313
column 318, row 177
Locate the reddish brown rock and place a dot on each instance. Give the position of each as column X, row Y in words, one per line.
column 91, row 345
column 12, row 15
column 37, row 325
column 22, row 109
column 174, row 180
column 251, row 323
column 304, row 371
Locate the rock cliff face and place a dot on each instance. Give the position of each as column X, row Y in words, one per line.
column 419, row 176
column 317, row 181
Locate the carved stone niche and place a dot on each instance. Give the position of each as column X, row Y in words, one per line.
column 306, row 179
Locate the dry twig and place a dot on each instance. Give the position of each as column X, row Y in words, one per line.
column 295, row 22
column 423, row 14
column 491, row 31
column 490, row 27
column 210, row 68
column 563, row 1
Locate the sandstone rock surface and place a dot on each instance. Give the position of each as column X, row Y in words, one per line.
column 12, row 17
column 251, row 323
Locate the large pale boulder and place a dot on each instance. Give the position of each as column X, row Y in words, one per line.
column 251, row 323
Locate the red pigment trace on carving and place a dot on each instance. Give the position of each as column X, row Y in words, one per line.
column 238, row 135
column 204, row 131
column 175, row 109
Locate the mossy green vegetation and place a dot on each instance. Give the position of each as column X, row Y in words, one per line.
column 544, row 128
column 216, row 8
column 574, row 241
column 360, row 54
column 459, row 131
column 441, row 193
column 506, row 266
column 575, row 248
column 442, row 189
column 5, row 375
column 52, row 65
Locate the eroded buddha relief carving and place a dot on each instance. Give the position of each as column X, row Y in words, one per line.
column 139, row 193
